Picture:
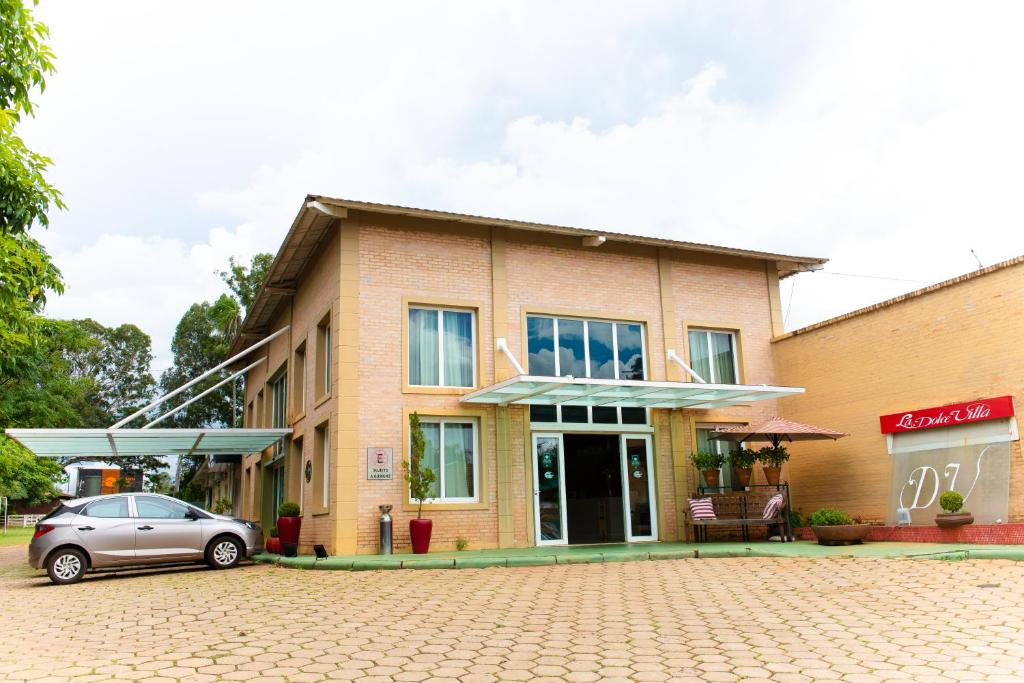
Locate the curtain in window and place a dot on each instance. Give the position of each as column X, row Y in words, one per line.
column 458, row 349
column 432, row 454
column 699, row 360
column 722, row 358
column 423, row 353
column 458, row 461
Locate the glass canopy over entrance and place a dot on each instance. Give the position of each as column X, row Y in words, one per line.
column 107, row 443
column 625, row 393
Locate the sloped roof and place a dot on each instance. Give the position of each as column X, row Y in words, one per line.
column 313, row 222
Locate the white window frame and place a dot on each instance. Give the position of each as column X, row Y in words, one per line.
column 619, row 424
column 326, row 379
column 712, row 379
column 441, row 421
column 441, row 310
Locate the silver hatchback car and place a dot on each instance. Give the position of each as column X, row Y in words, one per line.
column 127, row 529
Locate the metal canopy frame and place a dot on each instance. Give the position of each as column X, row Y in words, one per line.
column 625, row 393
column 106, row 443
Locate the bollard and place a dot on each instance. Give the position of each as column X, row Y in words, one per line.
column 385, row 529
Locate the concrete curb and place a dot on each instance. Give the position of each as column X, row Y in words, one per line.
column 378, row 562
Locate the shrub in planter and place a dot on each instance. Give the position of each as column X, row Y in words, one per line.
column 289, row 521
column 273, row 542
column 709, row 465
column 835, row 527
column 742, row 462
column 772, row 458
column 952, row 504
column 421, row 486
column 222, row 506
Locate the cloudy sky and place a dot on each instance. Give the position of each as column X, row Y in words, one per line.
column 884, row 136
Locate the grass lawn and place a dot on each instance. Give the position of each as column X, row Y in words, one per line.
column 15, row 535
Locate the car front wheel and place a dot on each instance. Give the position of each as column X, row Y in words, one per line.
column 66, row 566
column 224, row 552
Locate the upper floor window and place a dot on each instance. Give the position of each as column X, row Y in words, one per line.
column 323, row 357
column 713, row 355
column 441, row 347
column 299, row 378
column 584, row 348
column 598, row 349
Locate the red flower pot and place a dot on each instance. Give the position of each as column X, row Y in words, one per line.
column 274, row 545
column 419, row 531
column 288, row 529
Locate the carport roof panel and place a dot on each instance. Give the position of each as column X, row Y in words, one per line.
column 108, row 443
column 574, row 391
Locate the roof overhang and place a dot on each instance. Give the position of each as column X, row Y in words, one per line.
column 624, row 393
column 111, row 443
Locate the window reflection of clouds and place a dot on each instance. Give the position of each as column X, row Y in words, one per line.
column 571, row 356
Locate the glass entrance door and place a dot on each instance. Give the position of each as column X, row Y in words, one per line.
column 638, row 485
column 549, row 489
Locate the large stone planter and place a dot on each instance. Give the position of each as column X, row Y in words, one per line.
column 841, row 534
column 951, row 520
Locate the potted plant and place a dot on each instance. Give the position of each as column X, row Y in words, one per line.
column 421, row 482
column 952, row 503
column 835, row 527
column 709, row 465
column 772, row 459
column 274, row 542
column 742, row 462
column 222, row 506
column 289, row 521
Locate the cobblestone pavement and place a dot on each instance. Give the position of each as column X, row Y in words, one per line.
column 712, row 620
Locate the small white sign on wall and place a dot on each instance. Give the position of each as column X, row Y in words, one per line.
column 378, row 463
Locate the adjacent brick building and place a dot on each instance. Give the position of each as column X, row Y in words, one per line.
column 956, row 342
column 392, row 310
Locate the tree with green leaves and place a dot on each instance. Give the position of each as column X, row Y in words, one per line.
column 26, row 271
column 80, row 374
column 419, row 478
column 245, row 282
column 201, row 341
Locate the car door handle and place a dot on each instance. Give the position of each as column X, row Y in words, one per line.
column 86, row 528
column 145, row 528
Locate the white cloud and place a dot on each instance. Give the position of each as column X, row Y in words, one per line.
column 886, row 137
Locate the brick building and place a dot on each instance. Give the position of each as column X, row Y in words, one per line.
column 563, row 376
column 943, row 367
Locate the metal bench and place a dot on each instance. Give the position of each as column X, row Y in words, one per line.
column 743, row 509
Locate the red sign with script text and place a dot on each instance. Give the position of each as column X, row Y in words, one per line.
column 946, row 416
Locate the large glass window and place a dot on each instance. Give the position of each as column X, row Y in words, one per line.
column 713, row 356
column 441, row 348
column 596, row 349
column 451, row 452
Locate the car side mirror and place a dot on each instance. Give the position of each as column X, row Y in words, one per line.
column 191, row 514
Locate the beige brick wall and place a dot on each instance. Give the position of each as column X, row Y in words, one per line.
column 953, row 344
column 405, row 260
column 316, row 296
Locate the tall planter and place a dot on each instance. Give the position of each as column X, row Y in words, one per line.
column 419, row 531
column 288, row 528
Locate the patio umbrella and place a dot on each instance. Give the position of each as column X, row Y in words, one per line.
column 775, row 431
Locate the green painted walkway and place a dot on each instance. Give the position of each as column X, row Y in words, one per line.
column 627, row 552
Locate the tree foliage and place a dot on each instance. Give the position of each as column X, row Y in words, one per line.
column 245, row 282
column 26, row 272
column 80, row 374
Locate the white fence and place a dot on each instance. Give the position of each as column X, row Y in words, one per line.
column 22, row 520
